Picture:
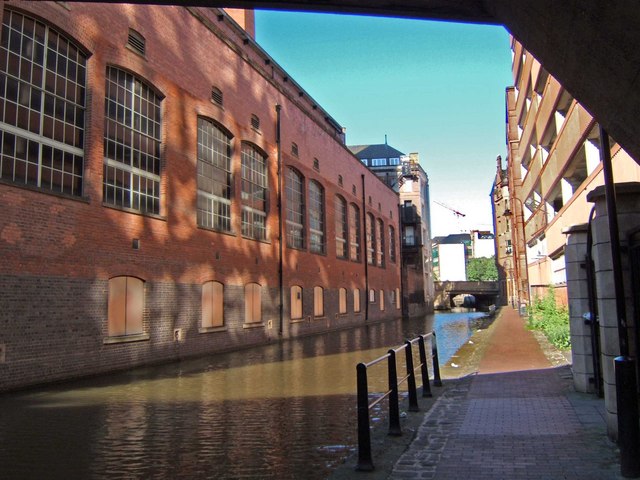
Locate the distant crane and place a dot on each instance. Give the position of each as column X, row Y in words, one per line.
column 455, row 212
column 458, row 214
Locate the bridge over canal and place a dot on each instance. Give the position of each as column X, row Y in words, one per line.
column 485, row 293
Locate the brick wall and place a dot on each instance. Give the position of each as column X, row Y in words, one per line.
column 58, row 252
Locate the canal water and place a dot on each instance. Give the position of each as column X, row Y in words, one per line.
column 282, row 411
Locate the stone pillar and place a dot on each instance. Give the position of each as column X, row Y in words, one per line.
column 628, row 206
column 578, row 293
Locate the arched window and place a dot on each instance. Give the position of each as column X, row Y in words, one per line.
column 212, row 304
column 397, row 299
column 316, row 217
column 341, row 227
column 214, row 176
column 370, row 238
column 356, row 300
column 42, row 131
column 372, row 296
column 381, row 300
column 354, row 233
column 379, row 243
column 252, row 303
column 126, row 306
column 392, row 244
column 295, row 208
column 131, row 143
column 255, row 186
column 342, row 300
column 318, row 302
column 296, row 302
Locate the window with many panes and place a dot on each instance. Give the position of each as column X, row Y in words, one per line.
column 354, row 229
column 214, row 176
column 42, row 106
column 254, row 193
column 294, row 183
column 379, row 243
column 341, row 227
column 370, row 238
column 316, row 217
column 212, row 305
column 392, row 244
column 131, row 143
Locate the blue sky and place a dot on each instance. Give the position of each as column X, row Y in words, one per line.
column 434, row 88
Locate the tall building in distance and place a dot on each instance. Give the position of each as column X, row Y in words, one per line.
column 553, row 162
column 404, row 174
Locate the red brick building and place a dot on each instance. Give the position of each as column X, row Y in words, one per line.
column 152, row 157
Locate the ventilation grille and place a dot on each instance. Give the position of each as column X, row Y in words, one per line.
column 294, row 149
column 136, row 41
column 340, row 180
column 216, row 96
column 255, row 122
column 316, row 164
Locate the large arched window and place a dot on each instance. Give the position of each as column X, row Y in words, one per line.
column 392, row 244
column 379, row 243
column 214, row 176
column 316, row 217
column 296, row 302
column 254, row 193
column 212, row 305
column 126, row 306
column 342, row 226
column 370, row 238
column 354, row 233
column 295, row 208
column 42, row 106
column 131, row 143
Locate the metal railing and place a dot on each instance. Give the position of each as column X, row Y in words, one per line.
column 365, row 462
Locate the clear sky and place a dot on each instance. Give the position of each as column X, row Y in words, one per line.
column 434, row 88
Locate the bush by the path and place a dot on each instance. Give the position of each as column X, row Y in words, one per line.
column 551, row 319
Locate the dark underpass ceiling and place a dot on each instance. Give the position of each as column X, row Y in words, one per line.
column 591, row 46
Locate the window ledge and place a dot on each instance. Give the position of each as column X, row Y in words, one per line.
column 253, row 325
column 134, row 211
column 268, row 242
column 297, row 320
column 321, row 317
column 32, row 188
column 212, row 329
column 140, row 337
column 215, row 230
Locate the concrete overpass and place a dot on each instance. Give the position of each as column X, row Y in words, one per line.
column 486, row 293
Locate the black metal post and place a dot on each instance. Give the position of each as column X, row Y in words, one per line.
column 365, row 463
column 437, row 381
column 394, row 407
column 625, row 367
column 411, row 379
column 426, row 387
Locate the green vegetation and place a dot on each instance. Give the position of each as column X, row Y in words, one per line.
column 482, row 269
column 552, row 319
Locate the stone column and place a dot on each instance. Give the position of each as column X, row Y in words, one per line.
column 578, row 294
column 628, row 206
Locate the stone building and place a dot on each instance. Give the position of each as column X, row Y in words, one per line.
column 168, row 190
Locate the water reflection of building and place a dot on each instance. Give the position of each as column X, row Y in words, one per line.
column 405, row 175
column 169, row 190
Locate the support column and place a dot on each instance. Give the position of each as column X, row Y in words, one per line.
column 628, row 208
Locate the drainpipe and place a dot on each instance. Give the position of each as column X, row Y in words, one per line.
column 280, row 255
column 625, row 366
column 366, row 262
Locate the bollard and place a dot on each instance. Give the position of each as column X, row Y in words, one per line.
column 411, row 379
column 364, row 435
column 628, row 436
column 437, row 381
column 426, row 387
column 394, row 408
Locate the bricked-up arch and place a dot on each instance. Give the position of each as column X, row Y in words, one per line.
column 590, row 47
column 212, row 304
column 126, row 306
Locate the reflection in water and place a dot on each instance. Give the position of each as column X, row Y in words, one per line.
column 279, row 411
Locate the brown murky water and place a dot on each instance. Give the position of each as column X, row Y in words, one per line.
column 284, row 411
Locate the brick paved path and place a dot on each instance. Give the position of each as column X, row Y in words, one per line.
column 518, row 418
